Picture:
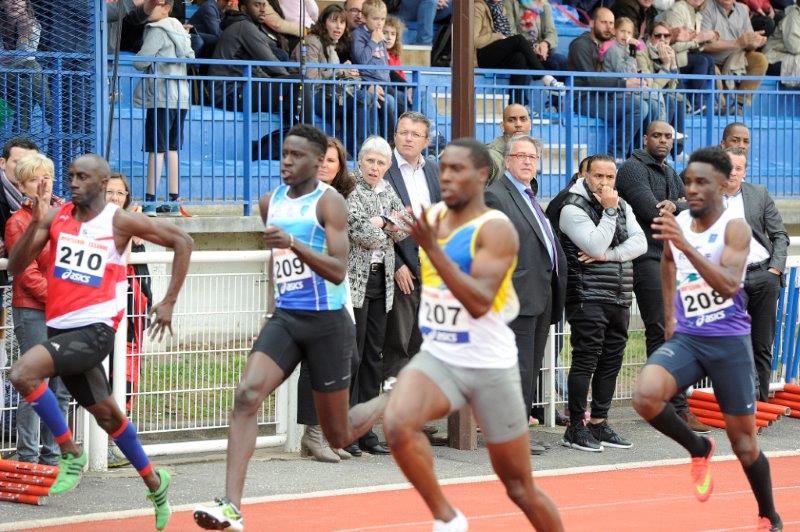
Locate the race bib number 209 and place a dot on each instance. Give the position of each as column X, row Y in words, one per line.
column 81, row 260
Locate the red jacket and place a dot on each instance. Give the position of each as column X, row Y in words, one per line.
column 755, row 5
column 30, row 286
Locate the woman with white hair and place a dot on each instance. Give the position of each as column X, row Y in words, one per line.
column 372, row 206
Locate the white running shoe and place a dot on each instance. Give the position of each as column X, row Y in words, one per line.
column 457, row 524
column 222, row 516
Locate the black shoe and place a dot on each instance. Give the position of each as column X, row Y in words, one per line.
column 580, row 437
column 607, row 437
column 353, row 449
column 375, row 449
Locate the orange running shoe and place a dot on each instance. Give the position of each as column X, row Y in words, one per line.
column 701, row 473
column 765, row 525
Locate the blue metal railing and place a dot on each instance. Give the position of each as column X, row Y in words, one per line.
column 228, row 155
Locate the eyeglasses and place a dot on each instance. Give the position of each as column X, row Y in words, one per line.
column 412, row 134
column 524, row 156
column 118, row 193
column 661, row 35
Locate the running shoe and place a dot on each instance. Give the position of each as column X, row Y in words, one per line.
column 224, row 515
column 70, row 469
column 580, row 437
column 457, row 524
column 159, row 500
column 765, row 525
column 115, row 458
column 149, row 209
column 701, row 473
column 607, row 436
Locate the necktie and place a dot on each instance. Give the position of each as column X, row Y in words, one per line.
column 543, row 220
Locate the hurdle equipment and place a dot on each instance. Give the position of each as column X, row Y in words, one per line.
column 26, row 483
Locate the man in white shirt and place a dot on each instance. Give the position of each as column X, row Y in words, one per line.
column 416, row 181
column 765, row 262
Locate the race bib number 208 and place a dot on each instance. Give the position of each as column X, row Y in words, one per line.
column 81, row 260
column 699, row 298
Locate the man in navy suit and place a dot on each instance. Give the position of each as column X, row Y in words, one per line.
column 540, row 277
column 415, row 178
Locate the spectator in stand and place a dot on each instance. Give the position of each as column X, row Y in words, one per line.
column 415, row 180
column 685, row 18
column 641, row 13
column 658, row 57
column 392, row 34
column 736, row 135
column 624, row 113
column 27, row 307
column 332, row 171
column 167, row 101
column 426, row 13
column 342, row 106
column 373, row 209
column 140, row 295
column 206, row 23
column 762, row 16
column 292, row 13
column 516, row 121
column 534, row 21
column 498, row 45
column 735, row 50
column 765, row 262
column 783, row 47
column 600, row 237
column 11, row 198
column 369, row 49
column 355, row 18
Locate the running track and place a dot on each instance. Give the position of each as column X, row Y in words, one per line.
column 654, row 498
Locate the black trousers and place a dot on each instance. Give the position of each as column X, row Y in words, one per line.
column 530, row 333
column 647, row 287
column 403, row 338
column 762, row 288
column 370, row 332
column 599, row 333
column 515, row 53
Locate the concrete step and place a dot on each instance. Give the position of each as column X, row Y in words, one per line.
column 416, row 55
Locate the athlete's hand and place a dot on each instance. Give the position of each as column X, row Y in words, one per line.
column 666, row 228
column 423, row 232
column 39, row 203
column 276, row 238
column 404, row 279
column 163, row 320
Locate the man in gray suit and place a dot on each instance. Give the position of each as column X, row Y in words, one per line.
column 416, row 180
column 765, row 263
column 538, row 279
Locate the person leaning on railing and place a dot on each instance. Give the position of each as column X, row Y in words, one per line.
column 27, row 306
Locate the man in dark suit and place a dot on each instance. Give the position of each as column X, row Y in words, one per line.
column 416, row 180
column 538, row 281
column 765, row 262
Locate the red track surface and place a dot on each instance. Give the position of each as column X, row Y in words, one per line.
column 644, row 499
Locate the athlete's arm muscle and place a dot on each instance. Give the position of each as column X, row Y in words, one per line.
column 668, row 271
column 33, row 240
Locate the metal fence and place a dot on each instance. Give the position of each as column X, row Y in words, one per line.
column 49, row 79
column 235, row 125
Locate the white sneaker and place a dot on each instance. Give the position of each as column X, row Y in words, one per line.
column 457, row 524
column 222, row 516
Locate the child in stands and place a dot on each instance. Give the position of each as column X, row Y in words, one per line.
column 166, row 101
column 393, row 38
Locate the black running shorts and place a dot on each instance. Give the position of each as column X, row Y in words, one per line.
column 78, row 356
column 324, row 339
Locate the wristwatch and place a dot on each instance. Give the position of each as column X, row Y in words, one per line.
column 611, row 211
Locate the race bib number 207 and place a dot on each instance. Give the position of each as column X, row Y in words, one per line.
column 81, row 260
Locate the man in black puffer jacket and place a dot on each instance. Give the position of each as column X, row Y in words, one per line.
column 600, row 237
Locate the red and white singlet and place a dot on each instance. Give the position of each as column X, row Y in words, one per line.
column 87, row 278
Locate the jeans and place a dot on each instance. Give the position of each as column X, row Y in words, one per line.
column 425, row 13
column 599, row 335
column 625, row 115
column 30, row 330
column 702, row 65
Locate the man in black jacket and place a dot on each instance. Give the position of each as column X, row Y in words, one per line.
column 539, row 278
column 649, row 184
column 765, row 262
column 641, row 12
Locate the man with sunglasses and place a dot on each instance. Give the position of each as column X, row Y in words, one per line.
column 540, row 274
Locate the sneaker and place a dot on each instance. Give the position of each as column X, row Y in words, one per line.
column 70, row 469
column 701, row 473
column 765, row 525
column 699, row 110
column 170, row 208
column 580, row 437
column 116, row 459
column 224, row 515
column 457, row 524
column 159, row 500
column 695, row 424
column 148, row 209
column 607, row 437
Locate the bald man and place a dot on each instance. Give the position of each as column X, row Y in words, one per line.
column 516, row 121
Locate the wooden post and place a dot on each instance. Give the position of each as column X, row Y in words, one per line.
column 461, row 429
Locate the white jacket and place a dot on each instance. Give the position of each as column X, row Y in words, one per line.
column 165, row 38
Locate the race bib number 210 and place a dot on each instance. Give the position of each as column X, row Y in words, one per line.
column 81, row 260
